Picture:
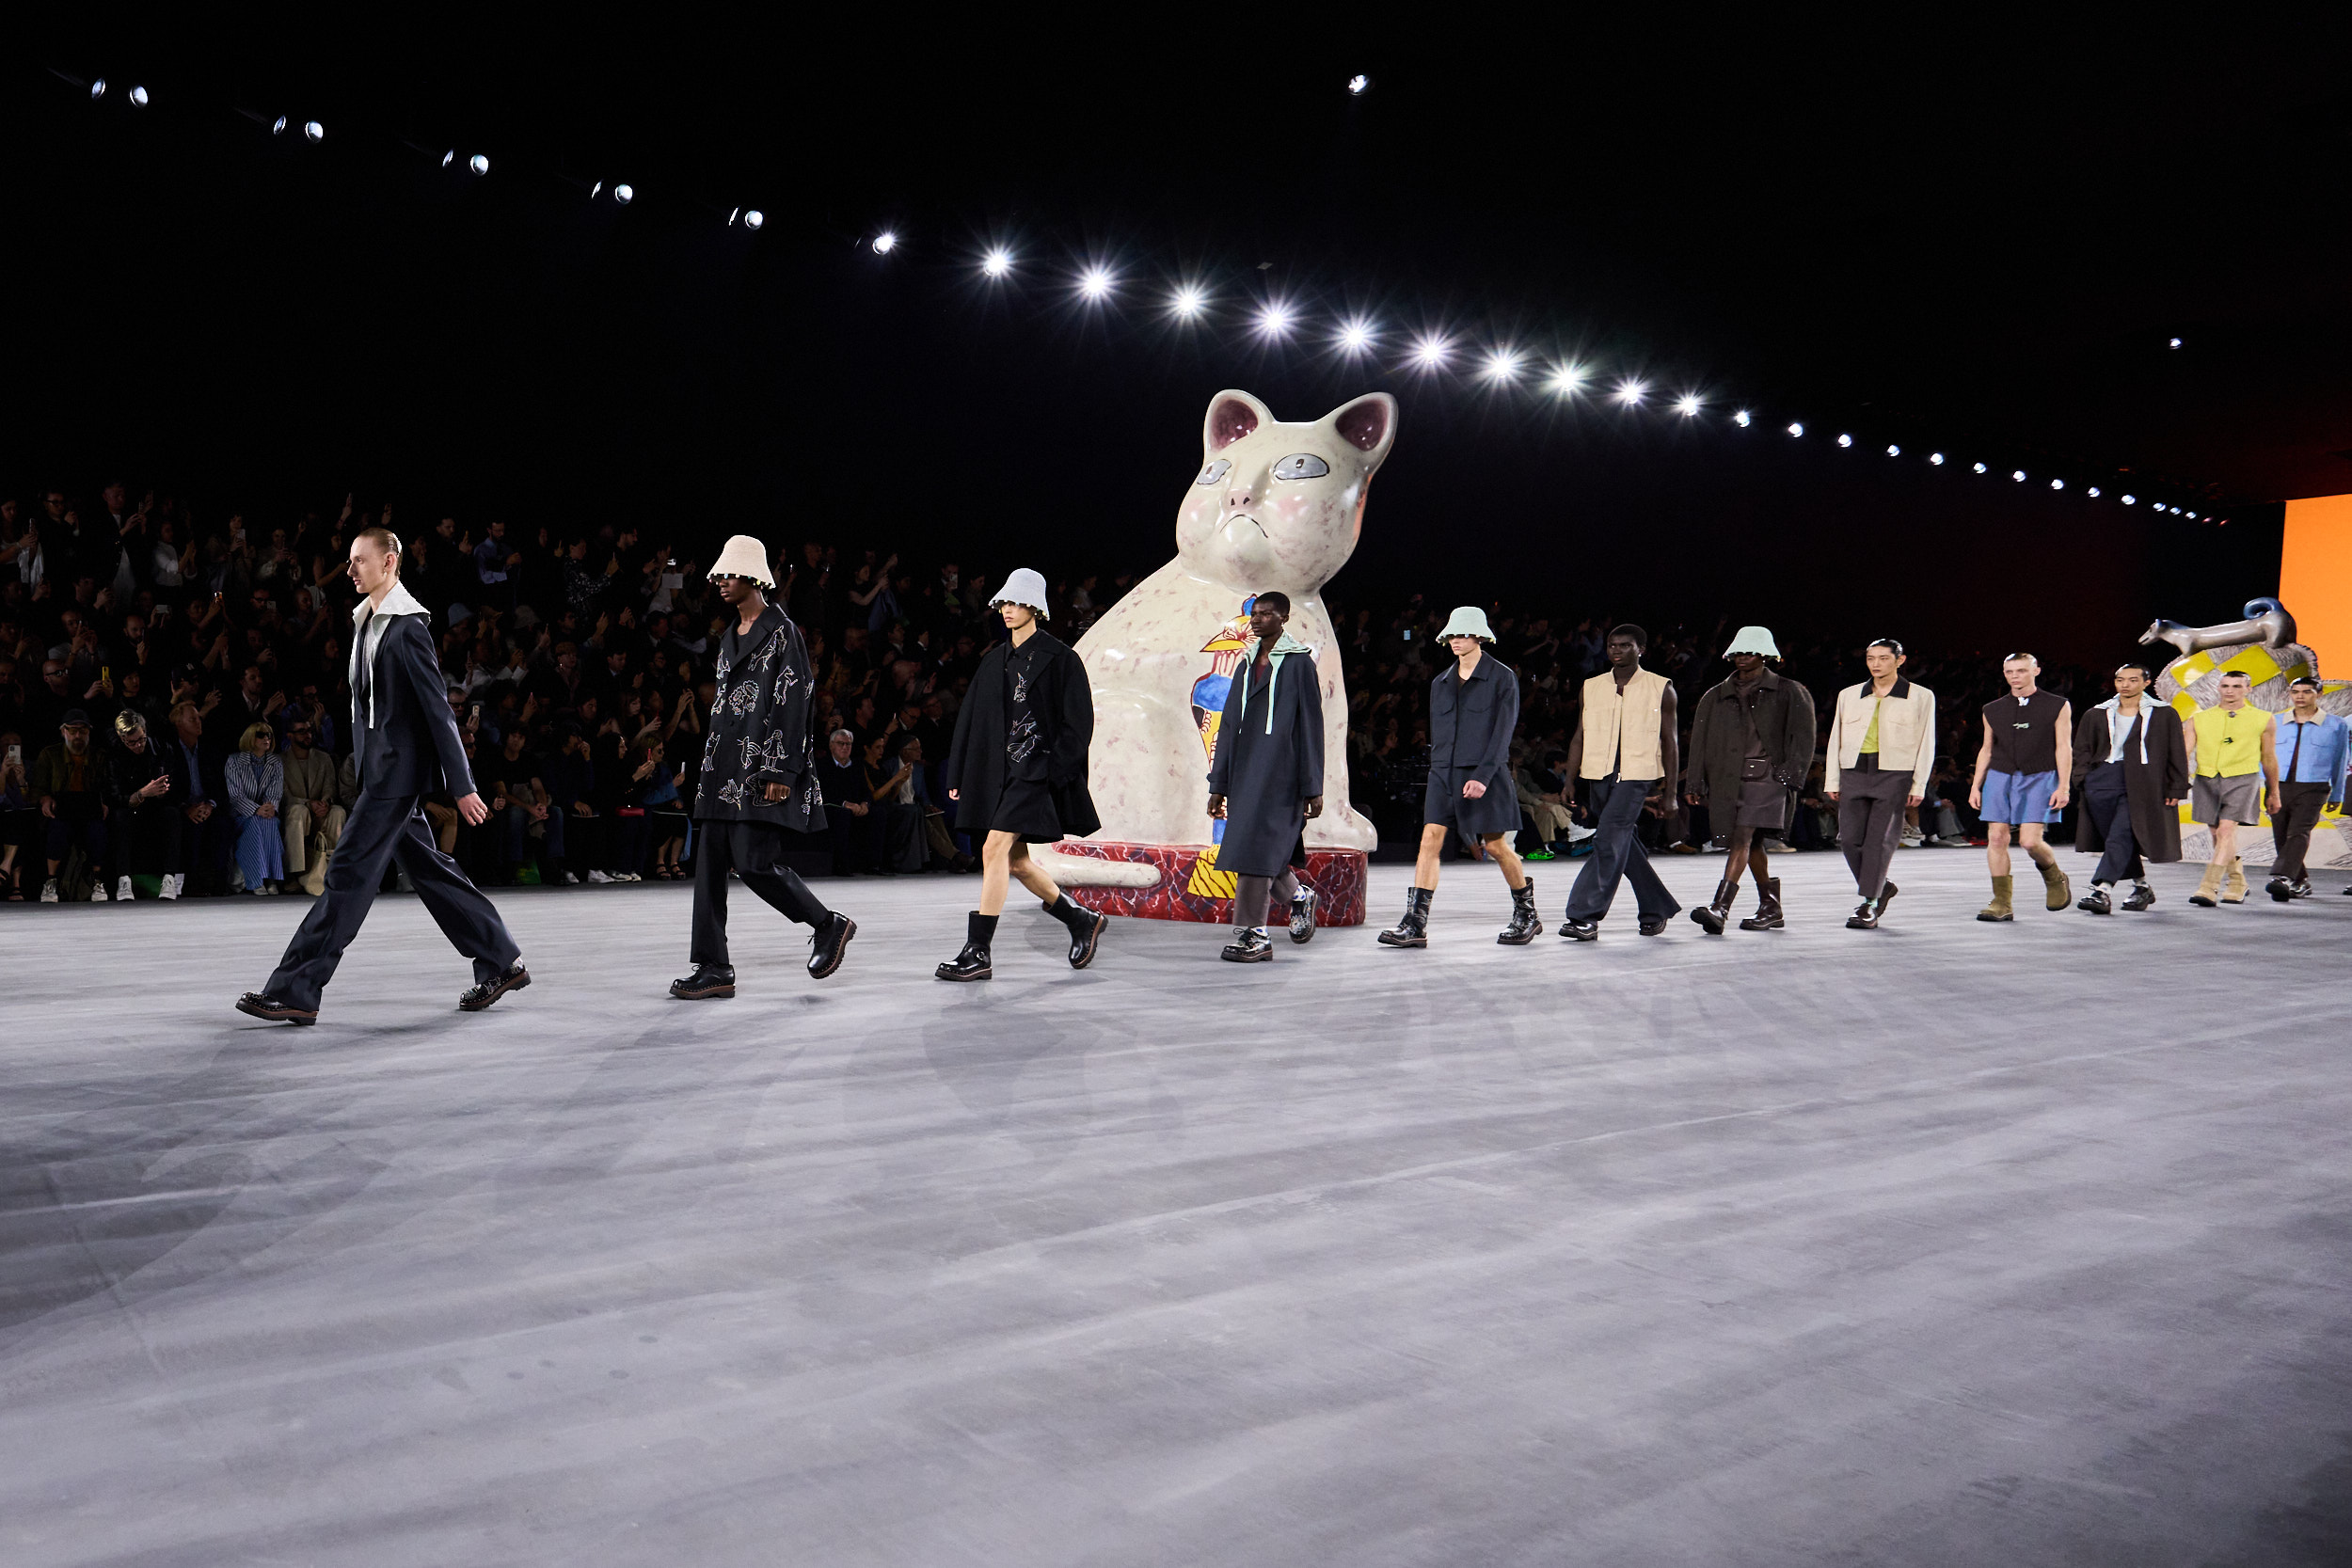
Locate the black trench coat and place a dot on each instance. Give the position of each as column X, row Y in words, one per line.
column 760, row 729
column 1470, row 723
column 1064, row 703
column 1265, row 775
column 2156, row 827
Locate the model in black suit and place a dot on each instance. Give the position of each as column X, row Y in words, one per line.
column 405, row 745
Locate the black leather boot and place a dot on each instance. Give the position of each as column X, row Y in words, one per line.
column 1712, row 916
column 1085, row 929
column 1413, row 930
column 1525, row 922
column 973, row 962
column 1767, row 915
column 831, row 943
column 707, row 981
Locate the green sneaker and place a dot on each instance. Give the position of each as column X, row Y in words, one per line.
column 1541, row 852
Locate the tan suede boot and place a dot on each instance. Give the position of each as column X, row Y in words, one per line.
column 2056, row 891
column 2207, row 886
column 2234, row 891
column 1998, row 909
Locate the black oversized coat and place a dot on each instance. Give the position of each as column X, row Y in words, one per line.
column 760, row 729
column 1063, row 701
column 1471, row 724
column 1719, row 740
column 2156, row 827
column 1267, row 763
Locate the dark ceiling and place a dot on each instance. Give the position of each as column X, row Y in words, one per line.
column 1959, row 236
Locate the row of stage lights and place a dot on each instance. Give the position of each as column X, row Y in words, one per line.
column 1275, row 320
column 1499, row 365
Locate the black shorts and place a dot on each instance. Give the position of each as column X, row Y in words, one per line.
column 1026, row 808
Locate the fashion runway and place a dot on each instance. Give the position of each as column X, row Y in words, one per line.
column 1947, row 1243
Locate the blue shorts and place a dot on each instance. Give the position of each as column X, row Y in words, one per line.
column 2018, row 798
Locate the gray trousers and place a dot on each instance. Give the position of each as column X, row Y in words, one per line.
column 1870, row 823
column 1253, row 895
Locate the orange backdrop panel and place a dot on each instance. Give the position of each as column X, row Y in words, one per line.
column 2315, row 578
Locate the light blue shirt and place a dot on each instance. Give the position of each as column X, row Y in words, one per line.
column 2120, row 726
column 2326, row 742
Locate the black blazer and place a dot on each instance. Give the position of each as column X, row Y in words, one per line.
column 413, row 747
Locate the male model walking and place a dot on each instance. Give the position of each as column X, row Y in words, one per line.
column 1266, row 781
column 1473, row 709
column 1017, row 771
column 1882, row 751
column 2130, row 769
column 1751, row 746
column 2311, row 748
column 2232, row 757
column 758, row 778
column 1626, row 754
column 405, row 745
column 2020, row 782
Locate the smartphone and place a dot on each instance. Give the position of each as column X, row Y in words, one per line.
column 16, row 756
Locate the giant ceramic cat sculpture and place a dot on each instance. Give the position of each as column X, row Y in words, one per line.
column 1275, row 506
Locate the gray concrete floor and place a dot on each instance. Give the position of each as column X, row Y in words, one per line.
column 1951, row 1244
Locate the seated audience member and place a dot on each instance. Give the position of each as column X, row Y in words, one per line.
column 67, row 780
column 647, row 797
column 209, row 830
column 142, row 817
column 1541, row 797
column 936, row 838
column 517, row 788
column 256, row 777
column 313, row 812
column 571, row 778
column 20, row 816
column 841, row 784
column 895, row 825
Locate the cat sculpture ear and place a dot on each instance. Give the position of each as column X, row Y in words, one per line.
column 1368, row 424
column 1231, row 416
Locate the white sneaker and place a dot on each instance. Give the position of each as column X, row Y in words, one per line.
column 98, row 893
column 269, row 889
column 171, row 885
column 122, row 889
column 1912, row 838
column 569, row 880
column 598, row 879
column 48, row 890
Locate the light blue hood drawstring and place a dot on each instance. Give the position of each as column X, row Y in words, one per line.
column 1289, row 644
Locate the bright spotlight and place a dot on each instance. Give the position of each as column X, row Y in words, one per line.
column 2094, row 491
column 2174, row 510
column 2058, row 484
column 997, row 262
column 313, row 130
column 1741, row 419
column 1796, row 429
column 1360, row 84
column 2019, row 476
column 884, row 243
column 98, row 89
column 595, row 190
column 279, row 129
column 2128, row 499
column 1355, row 337
column 1503, row 364
column 1430, row 353
column 1685, row 405
column 1095, row 283
column 2175, row 343
column 1936, row 458
column 138, row 97
column 1845, row 441
column 1275, row 320
column 624, row 194
column 1979, row 466
column 449, row 157
column 2192, row 516
column 479, row 163
column 753, row 218
column 1893, row 451
column 1630, row 393
column 1188, row 301
column 1568, row 380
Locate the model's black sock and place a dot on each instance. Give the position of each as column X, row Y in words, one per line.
column 981, row 930
column 1078, row 920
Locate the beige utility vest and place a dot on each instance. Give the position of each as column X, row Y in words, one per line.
column 1631, row 714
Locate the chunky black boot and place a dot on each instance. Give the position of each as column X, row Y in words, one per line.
column 831, row 943
column 1712, row 916
column 1085, row 929
column 707, row 981
column 1250, row 946
column 1303, row 913
column 1525, row 922
column 1413, row 930
column 1767, row 915
column 973, row 962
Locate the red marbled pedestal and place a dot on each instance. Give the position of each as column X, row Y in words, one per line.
column 1190, row 890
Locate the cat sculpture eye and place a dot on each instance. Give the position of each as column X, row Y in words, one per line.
column 1301, row 464
column 1214, row 471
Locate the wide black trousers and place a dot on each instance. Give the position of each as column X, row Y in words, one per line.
column 1870, row 822
column 2299, row 805
column 749, row 849
column 1617, row 853
column 380, row 829
column 2107, row 796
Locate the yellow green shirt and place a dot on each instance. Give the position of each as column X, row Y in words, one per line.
column 1871, row 735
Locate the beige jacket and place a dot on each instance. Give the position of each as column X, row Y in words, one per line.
column 1906, row 731
column 1634, row 713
